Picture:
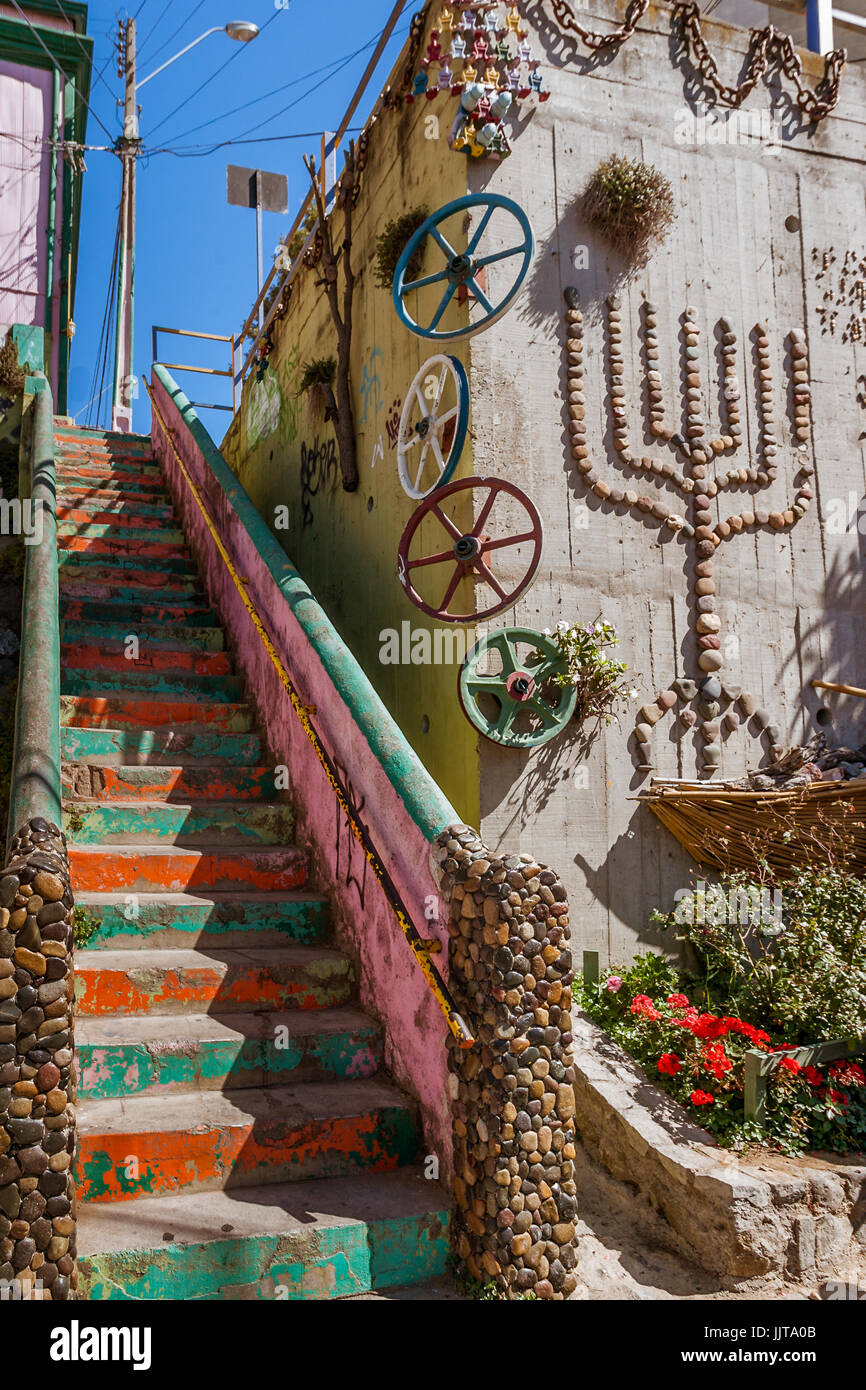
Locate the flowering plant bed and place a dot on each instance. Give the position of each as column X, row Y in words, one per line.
column 701, row 1058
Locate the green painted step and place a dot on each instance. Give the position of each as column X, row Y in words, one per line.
column 174, row 638
column 331, row 1239
column 154, row 822
column 222, row 689
column 122, row 1057
column 127, row 535
column 154, row 920
column 210, row 1140
column 74, row 560
column 150, row 612
column 157, row 747
column 100, row 584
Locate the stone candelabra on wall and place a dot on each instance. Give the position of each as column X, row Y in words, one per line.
column 37, row 1078
column 698, row 482
column 513, row 1093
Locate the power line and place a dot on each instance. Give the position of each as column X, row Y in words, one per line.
column 210, row 79
column 276, row 91
column 76, row 36
column 201, row 151
column 152, row 30
column 175, row 32
column 57, row 66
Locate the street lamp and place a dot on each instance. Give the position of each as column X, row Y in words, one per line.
column 128, row 148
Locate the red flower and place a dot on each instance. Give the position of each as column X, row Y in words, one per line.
column 847, row 1073
column 789, row 1064
column 669, row 1063
column 813, row 1076
column 708, row 1026
column 644, row 1006
column 701, row 1098
column 839, row 1098
column 689, row 1018
column 747, row 1030
column 678, row 1001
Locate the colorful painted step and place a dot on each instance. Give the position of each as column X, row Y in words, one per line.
column 331, row 1239
column 156, row 981
column 186, row 920
column 173, row 823
column 119, row 1058
column 206, row 1140
column 168, row 784
column 142, row 868
column 193, row 744
column 220, row 1044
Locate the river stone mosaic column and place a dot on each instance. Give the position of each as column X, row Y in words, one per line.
column 513, row 1092
column 37, row 1078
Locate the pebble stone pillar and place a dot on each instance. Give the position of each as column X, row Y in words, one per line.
column 37, row 1078
column 513, row 1092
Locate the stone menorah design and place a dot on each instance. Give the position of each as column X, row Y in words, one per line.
column 692, row 465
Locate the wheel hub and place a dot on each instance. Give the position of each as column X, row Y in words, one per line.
column 422, row 429
column 467, row 548
column 520, row 686
column 460, row 268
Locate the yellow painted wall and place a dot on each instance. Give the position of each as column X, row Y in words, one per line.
column 345, row 544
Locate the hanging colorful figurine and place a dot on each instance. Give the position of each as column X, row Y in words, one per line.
column 479, row 46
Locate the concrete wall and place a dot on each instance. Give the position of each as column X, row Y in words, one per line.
column 791, row 604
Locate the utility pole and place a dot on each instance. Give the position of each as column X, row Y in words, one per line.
column 127, row 148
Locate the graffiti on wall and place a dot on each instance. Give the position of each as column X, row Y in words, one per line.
column 320, row 472
column 371, row 386
column 346, row 845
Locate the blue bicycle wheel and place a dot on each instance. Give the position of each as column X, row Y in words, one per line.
column 464, row 272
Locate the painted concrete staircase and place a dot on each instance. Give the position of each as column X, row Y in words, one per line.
column 236, row 1137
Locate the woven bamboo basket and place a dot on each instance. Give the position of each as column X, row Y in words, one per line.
column 722, row 827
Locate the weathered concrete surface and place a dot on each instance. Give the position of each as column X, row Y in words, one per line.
column 743, row 1219
column 328, row 1239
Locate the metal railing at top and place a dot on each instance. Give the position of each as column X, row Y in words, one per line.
column 203, row 371
column 251, row 328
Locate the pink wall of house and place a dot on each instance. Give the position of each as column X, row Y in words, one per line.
column 25, row 167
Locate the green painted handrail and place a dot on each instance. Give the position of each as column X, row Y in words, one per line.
column 36, row 759
column 425, row 801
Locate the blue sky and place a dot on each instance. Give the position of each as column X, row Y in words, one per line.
column 196, row 259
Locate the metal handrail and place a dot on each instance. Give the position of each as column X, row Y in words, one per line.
column 290, row 274
column 35, row 789
column 156, row 329
column 421, row 948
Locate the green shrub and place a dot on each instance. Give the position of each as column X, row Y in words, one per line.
column 392, row 243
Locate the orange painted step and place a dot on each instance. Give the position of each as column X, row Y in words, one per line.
column 171, row 982
column 105, row 658
column 144, row 550
column 119, row 712
column 208, row 1140
column 158, row 869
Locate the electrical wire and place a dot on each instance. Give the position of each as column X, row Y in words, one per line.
column 152, row 30
column 88, row 56
column 175, row 32
column 104, row 336
column 193, row 130
column 210, row 79
column 50, row 56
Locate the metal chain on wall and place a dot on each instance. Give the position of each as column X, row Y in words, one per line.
column 567, row 19
column 769, row 48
